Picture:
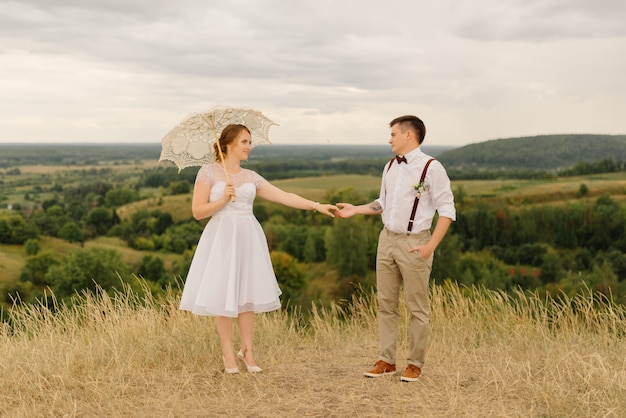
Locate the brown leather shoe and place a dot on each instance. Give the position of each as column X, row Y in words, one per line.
column 381, row 368
column 411, row 373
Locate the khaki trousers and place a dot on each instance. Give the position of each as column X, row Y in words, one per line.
column 395, row 266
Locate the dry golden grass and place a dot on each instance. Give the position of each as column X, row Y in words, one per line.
column 490, row 355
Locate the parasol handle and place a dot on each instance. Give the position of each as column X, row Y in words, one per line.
column 219, row 150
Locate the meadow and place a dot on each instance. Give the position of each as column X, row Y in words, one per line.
column 490, row 354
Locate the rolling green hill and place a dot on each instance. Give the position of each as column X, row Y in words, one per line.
column 545, row 152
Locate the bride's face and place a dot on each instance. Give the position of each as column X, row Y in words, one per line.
column 241, row 147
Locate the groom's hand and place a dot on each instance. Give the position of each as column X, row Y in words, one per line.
column 346, row 210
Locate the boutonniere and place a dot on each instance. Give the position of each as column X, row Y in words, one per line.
column 420, row 188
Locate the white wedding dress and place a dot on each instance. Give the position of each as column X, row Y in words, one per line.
column 231, row 271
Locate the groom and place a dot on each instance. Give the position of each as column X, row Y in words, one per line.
column 414, row 186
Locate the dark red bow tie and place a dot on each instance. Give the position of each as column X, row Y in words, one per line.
column 400, row 159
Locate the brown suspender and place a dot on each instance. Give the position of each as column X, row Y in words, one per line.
column 391, row 163
column 417, row 196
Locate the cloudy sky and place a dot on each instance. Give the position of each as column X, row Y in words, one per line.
column 325, row 71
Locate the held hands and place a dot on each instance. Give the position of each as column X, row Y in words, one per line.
column 326, row 209
column 346, row 210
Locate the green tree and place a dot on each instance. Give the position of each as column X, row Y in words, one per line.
column 181, row 265
column 100, row 220
column 36, row 267
column 120, row 196
column 551, row 268
column 346, row 246
column 446, row 259
column 15, row 230
column 291, row 277
column 51, row 220
column 294, row 240
column 180, row 237
column 481, row 268
column 71, row 233
column 565, row 229
column 180, row 187
column 32, row 246
column 76, row 211
column 309, row 252
column 274, row 229
column 86, row 269
column 152, row 268
column 618, row 261
column 16, row 293
column 608, row 225
column 479, row 227
column 531, row 254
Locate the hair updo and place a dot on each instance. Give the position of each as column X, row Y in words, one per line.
column 228, row 136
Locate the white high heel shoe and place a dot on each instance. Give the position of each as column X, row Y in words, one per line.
column 251, row 369
column 230, row 370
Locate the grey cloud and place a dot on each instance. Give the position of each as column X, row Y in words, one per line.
column 335, row 60
column 541, row 21
column 295, row 44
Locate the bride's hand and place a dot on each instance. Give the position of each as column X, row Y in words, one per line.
column 326, row 209
column 229, row 193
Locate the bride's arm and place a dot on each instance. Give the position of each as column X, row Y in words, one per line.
column 201, row 208
column 274, row 194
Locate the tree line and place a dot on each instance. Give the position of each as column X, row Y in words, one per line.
column 553, row 248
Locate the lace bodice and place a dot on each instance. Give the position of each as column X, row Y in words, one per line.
column 246, row 182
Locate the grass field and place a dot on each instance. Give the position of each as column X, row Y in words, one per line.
column 11, row 262
column 516, row 191
column 490, row 355
column 179, row 206
column 315, row 188
column 544, row 191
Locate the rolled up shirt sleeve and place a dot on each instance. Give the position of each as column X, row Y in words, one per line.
column 441, row 191
column 382, row 194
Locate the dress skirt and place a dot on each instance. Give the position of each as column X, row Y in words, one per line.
column 231, row 271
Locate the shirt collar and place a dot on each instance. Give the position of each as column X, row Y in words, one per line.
column 413, row 155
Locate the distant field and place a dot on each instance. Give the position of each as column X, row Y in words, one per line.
column 11, row 262
column 179, row 206
column 514, row 192
column 316, row 187
column 528, row 191
column 534, row 191
column 37, row 181
column 543, row 191
column 123, row 167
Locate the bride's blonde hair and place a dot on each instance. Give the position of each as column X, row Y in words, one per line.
column 228, row 136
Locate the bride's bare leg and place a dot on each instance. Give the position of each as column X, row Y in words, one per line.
column 245, row 321
column 225, row 330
